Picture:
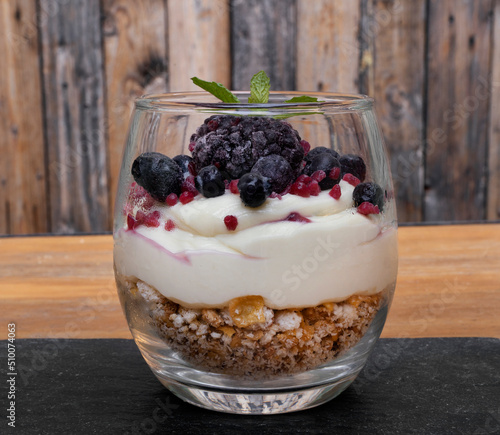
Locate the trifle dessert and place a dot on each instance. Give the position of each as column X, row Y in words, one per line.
column 256, row 253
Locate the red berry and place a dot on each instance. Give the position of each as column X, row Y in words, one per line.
column 169, row 225
column 131, row 222
column 152, row 220
column 313, row 187
column 300, row 189
column 368, row 208
column 335, row 192
column 351, row 179
column 318, row 176
column 334, row 173
column 233, row 187
column 191, row 146
column 140, row 217
column 186, row 197
column 303, row 179
column 296, row 217
column 189, row 186
column 306, row 145
column 231, row 222
column 172, row 199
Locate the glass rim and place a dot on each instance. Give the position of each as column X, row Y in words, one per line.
column 200, row 99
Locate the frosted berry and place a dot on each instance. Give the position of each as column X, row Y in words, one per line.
column 158, row 174
column 353, row 164
column 277, row 170
column 254, row 189
column 317, row 151
column 325, row 162
column 185, row 163
column 368, row 192
column 209, row 182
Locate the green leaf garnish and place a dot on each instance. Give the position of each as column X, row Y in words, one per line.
column 217, row 90
column 302, row 99
column 259, row 88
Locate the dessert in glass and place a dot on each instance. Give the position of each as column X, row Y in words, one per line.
column 255, row 245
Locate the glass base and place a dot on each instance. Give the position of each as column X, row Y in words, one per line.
column 265, row 403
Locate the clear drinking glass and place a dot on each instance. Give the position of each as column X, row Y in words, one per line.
column 248, row 308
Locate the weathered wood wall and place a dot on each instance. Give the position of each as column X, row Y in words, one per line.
column 71, row 69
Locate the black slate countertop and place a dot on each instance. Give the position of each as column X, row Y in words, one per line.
column 103, row 386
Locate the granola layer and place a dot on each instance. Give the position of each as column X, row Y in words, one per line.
column 249, row 339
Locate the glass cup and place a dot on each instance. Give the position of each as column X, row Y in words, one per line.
column 257, row 273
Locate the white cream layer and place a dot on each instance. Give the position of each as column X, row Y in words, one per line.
column 289, row 264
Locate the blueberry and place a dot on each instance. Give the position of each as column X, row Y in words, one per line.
column 210, row 182
column 183, row 161
column 320, row 150
column 277, row 170
column 353, row 164
column 368, row 192
column 254, row 189
column 324, row 162
column 158, row 174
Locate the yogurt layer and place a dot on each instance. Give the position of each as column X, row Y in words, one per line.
column 290, row 264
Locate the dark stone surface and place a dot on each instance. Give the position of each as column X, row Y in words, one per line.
column 410, row 386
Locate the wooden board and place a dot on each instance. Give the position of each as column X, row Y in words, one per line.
column 448, row 285
column 392, row 71
column 73, row 82
column 327, row 45
column 135, row 49
column 263, row 37
column 23, row 199
column 493, row 211
column 457, row 109
column 198, row 43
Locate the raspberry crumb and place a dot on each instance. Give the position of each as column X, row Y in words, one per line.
column 334, row 173
column 231, row 222
column 335, row 192
column 169, row 225
column 172, row 199
column 351, row 179
column 319, row 175
column 233, row 187
column 368, row 208
column 306, row 145
column 152, row 220
column 189, row 186
column 299, row 188
column 313, row 187
column 186, row 197
column 131, row 222
column 296, row 217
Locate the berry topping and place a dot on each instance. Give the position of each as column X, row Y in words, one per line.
column 152, row 220
column 277, row 170
column 306, row 146
column 131, row 222
column 238, row 142
column 209, row 182
column 138, row 196
column 351, row 179
column 189, row 185
column 325, row 162
column 172, row 199
column 231, row 222
column 319, row 150
column 319, row 175
column 185, row 163
column 186, row 197
column 254, row 189
column 313, row 187
column 233, row 187
column 296, row 217
column 335, row 192
column 368, row 208
column 353, row 164
column 300, row 188
column 158, row 174
column 335, row 173
column 169, row 225
column 368, row 192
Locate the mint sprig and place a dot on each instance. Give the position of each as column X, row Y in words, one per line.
column 216, row 89
column 259, row 88
column 302, row 99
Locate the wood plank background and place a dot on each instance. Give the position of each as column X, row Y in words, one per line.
column 71, row 70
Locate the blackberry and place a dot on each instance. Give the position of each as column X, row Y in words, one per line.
column 254, row 189
column 368, row 192
column 353, row 164
column 325, row 162
column 209, row 182
column 184, row 162
column 234, row 144
column 277, row 170
column 158, row 174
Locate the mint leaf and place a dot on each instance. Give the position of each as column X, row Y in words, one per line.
column 259, row 88
column 303, row 99
column 217, row 90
